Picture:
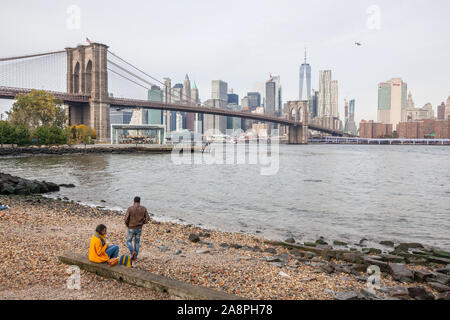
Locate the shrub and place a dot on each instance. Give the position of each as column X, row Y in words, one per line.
column 49, row 135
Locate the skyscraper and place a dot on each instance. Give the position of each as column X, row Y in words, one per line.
column 325, row 100
column 189, row 118
column 313, row 104
column 334, row 98
column 233, row 98
column 219, row 99
column 447, row 109
column 198, row 119
column 155, row 116
column 254, row 99
column 167, row 96
column 278, row 93
column 441, row 111
column 219, row 90
column 351, row 128
column 392, row 99
column 271, row 88
column 305, row 81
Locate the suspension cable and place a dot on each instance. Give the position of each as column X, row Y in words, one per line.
column 31, row 56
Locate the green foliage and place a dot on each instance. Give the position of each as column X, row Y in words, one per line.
column 80, row 134
column 49, row 135
column 22, row 136
column 38, row 108
column 6, row 133
column 9, row 134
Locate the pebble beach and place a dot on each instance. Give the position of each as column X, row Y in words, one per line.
column 35, row 230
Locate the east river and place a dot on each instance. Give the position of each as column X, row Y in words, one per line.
column 340, row 192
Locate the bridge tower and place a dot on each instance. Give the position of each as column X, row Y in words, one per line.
column 87, row 74
column 298, row 111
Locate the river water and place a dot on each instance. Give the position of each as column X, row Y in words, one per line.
column 340, row 192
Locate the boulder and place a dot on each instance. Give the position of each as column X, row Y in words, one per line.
column 387, row 243
column 328, row 268
column 290, row 240
column 322, row 242
column 194, row 238
column 420, row 293
column 439, row 287
column 392, row 258
column 270, row 250
column 339, row 243
column 401, row 272
column 383, row 265
column 351, row 295
column 444, row 296
column 422, row 275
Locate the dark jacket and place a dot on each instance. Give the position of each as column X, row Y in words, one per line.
column 136, row 217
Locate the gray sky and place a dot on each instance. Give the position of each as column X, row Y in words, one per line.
column 242, row 42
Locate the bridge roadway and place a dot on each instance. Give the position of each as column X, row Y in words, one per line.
column 67, row 98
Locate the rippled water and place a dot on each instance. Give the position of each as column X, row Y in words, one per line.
column 339, row 192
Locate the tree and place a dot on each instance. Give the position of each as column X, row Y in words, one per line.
column 6, row 133
column 22, row 136
column 38, row 108
column 49, row 135
column 80, row 134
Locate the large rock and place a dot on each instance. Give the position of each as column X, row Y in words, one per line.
column 194, row 238
column 420, row 293
column 439, row 287
column 444, row 296
column 422, row 275
column 401, row 272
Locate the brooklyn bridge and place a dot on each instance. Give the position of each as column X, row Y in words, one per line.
column 88, row 100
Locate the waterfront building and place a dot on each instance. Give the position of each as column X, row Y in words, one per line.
column 271, row 87
column 392, row 99
column 374, row 130
column 441, row 111
column 305, row 81
column 425, row 129
column 325, row 100
column 417, row 114
column 447, row 109
column 155, row 116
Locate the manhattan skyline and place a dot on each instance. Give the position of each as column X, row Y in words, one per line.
column 229, row 46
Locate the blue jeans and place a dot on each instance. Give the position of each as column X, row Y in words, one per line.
column 112, row 251
column 136, row 234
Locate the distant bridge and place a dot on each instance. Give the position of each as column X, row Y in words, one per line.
column 89, row 103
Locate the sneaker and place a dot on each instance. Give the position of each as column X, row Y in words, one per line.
column 133, row 257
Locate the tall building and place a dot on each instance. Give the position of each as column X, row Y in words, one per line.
column 313, row 104
column 167, row 96
column 157, row 95
column 447, row 109
column 254, row 99
column 219, row 90
column 352, row 129
column 305, row 81
column 392, row 98
column 219, row 99
column 189, row 118
column 271, row 96
column 417, row 114
column 278, row 94
column 325, row 99
column 233, row 98
column 177, row 120
column 335, row 99
column 441, row 111
column 198, row 118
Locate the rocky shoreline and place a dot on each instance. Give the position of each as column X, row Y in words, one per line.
column 73, row 150
column 246, row 265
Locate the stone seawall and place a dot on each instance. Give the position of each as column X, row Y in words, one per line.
column 63, row 150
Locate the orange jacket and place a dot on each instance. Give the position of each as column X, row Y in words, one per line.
column 97, row 250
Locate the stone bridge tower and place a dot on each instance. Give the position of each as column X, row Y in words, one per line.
column 298, row 111
column 87, row 74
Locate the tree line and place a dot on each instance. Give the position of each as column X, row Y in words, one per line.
column 38, row 118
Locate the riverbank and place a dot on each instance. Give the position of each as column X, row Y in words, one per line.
column 35, row 230
column 83, row 149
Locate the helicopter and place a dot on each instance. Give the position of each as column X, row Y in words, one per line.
column 359, row 44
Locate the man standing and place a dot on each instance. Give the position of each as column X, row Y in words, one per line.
column 135, row 219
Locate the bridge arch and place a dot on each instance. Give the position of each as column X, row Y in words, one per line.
column 76, row 78
column 88, row 77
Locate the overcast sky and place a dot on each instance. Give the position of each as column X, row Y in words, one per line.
column 243, row 42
